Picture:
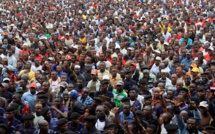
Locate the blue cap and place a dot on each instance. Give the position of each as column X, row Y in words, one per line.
column 74, row 94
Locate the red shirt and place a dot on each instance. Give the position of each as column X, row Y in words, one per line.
column 24, row 52
column 39, row 57
column 12, row 76
column 207, row 57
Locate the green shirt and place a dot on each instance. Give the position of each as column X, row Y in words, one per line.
column 118, row 97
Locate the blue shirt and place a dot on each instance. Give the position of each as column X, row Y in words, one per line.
column 108, row 94
column 2, row 76
column 87, row 101
column 186, row 63
column 7, row 96
column 30, row 98
column 13, row 124
column 122, row 117
column 53, row 123
column 128, row 84
column 182, row 126
column 189, row 42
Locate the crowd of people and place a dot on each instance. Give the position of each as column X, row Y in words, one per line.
column 107, row 67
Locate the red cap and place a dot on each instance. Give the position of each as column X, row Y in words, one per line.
column 33, row 85
column 68, row 57
column 5, row 33
column 133, row 64
column 94, row 71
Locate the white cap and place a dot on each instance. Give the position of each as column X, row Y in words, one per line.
column 166, row 43
column 25, row 44
column 211, row 48
column 67, row 34
column 203, row 104
column 158, row 58
column 1, row 66
column 130, row 48
column 163, row 71
column 75, row 46
column 105, row 77
column 117, row 46
column 43, row 37
column 77, row 66
column 157, row 51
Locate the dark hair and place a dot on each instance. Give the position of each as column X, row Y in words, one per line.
column 91, row 109
column 195, row 99
column 153, row 127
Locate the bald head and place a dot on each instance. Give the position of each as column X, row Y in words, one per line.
column 43, row 122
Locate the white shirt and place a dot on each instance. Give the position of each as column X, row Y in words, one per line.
column 140, row 99
column 100, row 125
column 166, row 36
column 12, row 60
column 154, row 69
column 35, row 69
column 163, row 129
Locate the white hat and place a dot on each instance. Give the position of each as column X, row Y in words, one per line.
column 25, row 44
column 75, row 46
column 67, row 34
column 6, row 79
column 166, row 43
column 211, row 48
column 157, row 51
column 163, row 71
column 203, row 104
column 50, row 58
column 130, row 48
column 158, row 58
column 105, row 77
column 117, row 46
column 1, row 66
column 43, row 37
column 77, row 66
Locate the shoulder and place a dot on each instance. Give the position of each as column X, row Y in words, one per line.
column 25, row 94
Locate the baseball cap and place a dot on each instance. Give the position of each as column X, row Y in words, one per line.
column 5, row 85
column 105, row 77
column 120, row 83
column 77, row 66
column 74, row 94
column 158, row 58
column 203, row 104
column 6, row 79
column 211, row 48
column 188, row 53
column 50, row 58
column 133, row 64
column 195, row 69
column 94, row 71
column 34, row 85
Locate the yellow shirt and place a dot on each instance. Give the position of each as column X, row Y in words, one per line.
column 100, row 74
column 113, row 81
column 31, row 74
column 168, row 29
column 83, row 40
column 84, row 17
column 160, row 46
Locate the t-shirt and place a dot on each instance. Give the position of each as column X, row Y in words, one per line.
column 100, row 125
column 54, row 84
column 118, row 97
